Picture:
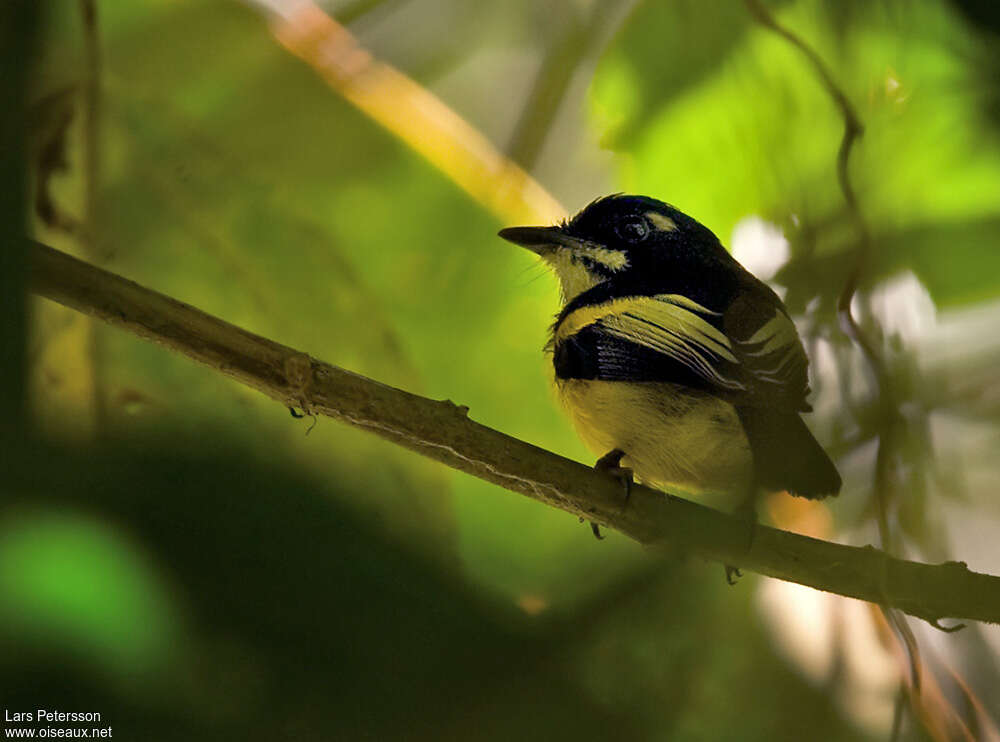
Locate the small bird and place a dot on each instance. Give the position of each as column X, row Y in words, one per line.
column 673, row 360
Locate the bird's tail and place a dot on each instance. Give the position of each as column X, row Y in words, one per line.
column 786, row 455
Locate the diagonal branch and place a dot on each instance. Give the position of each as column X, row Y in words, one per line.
column 443, row 431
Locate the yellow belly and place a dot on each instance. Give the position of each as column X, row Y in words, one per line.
column 674, row 438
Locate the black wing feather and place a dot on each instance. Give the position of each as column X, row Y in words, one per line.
column 766, row 365
column 593, row 353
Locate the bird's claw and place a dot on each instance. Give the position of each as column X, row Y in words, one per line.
column 595, row 528
column 746, row 511
column 610, row 463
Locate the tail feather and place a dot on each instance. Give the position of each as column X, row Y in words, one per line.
column 786, row 455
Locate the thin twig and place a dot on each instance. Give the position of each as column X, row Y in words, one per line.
column 89, row 234
column 411, row 112
column 883, row 485
column 576, row 42
column 91, row 122
column 898, row 713
column 443, row 431
column 358, row 9
column 853, row 130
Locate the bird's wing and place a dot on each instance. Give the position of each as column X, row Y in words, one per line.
column 750, row 353
column 768, row 345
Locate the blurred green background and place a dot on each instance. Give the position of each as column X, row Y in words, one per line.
column 177, row 553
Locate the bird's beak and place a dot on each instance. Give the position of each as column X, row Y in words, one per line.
column 539, row 240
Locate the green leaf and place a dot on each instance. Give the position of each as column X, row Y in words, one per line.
column 760, row 134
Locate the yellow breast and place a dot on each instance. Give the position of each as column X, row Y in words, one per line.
column 675, row 438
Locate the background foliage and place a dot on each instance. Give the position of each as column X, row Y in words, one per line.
column 177, row 553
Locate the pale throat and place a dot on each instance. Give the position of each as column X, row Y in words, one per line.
column 574, row 277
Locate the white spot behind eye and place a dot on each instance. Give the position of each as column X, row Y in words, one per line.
column 661, row 222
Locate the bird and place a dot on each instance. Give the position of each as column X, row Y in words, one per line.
column 676, row 364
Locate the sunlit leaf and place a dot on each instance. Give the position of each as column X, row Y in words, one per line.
column 760, row 134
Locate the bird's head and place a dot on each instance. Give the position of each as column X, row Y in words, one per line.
column 615, row 237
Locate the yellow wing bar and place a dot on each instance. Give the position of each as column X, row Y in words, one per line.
column 671, row 324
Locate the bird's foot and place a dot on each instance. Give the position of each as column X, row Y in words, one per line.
column 595, row 528
column 306, row 412
column 746, row 512
column 610, row 463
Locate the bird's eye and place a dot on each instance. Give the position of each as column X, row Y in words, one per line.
column 632, row 230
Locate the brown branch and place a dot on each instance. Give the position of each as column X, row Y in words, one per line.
column 443, row 431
